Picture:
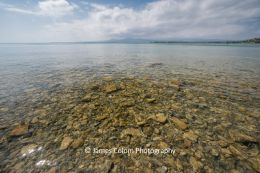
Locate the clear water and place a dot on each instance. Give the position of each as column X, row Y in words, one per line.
column 48, row 82
column 25, row 66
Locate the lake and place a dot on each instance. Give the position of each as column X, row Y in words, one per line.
column 200, row 99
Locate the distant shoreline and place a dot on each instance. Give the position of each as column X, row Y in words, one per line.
column 249, row 41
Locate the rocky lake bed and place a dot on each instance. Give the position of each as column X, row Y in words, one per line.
column 208, row 123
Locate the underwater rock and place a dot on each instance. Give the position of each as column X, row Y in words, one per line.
column 163, row 145
column 237, row 152
column 110, row 88
column 2, row 127
column 35, row 120
column 162, row 169
column 176, row 82
column 187, row 143
column 66, row 143
column 255, row 163
column 52, row 170
column 26, row 150
column 77, row 143
column 87, row 98
column 238, row 136
column 179, row 123
column 234, row 171
column 190, row 135
column 153, row 65
column 101, row 117
column 151, row 100
column 132, row 132
column 106, row 167
column 160, row 117
column 196, row 165
column 21, row 129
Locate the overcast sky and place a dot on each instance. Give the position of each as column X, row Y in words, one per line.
column 96, row 20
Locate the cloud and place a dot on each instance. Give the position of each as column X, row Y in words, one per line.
column 51, row 8
column 163, row 20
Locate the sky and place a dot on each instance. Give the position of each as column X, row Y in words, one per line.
column 100, row 20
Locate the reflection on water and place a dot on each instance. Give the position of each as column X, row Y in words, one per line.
column 203, row 100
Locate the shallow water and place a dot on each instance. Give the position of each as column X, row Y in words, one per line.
column 217, row 86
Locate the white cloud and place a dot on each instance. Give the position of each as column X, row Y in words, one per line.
column 162, row 19
column 52, row 8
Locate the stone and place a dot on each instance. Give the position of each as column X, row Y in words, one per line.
column 163, row 145
column 214, row 152
column 176, row 82
column 101, row 117
column 35, row 120
column 77, row 143
column 110, row 88
column 162, row 169
column 132, row 132
column 20, row 130
column 196, row 165
column 178, row 164
column 18, row 167
column 239, row 136
column 187, row 143
column 234, row 171
column 87, row 98
column 52, row 170
column 190, row 135
column 4, row 109
column 160, row 117
column 255, row 163
column 236, row 152
column 2, row 127
column 66, row 143
column 179, row 123
column 151, row 100
column 41, row 112
column 226, row 152
column 158, row 64
column 29, row 149
column 106, row 166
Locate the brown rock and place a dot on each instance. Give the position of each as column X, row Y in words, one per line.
column 238, row 136
column 77, row 143
column 225, row 152
column 132, row 132
column 106, row 166
column 2, row 126
column 52, row 170
column 28, row 149
column 236, row 152
column 66, row 143
column 255, row 163
column 35, row 120
column 101, row 117
column 190, row 135
column 110, row 88
column 151, row 100
column 18, row 167
column 179, row 123
column 163, row 145
column 178, row 165
column 234, row 171
column 176, row 82
column 19, row 130
column 87, row 98
column 187, row 143
column 196, row 165
column 160, row 117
